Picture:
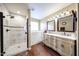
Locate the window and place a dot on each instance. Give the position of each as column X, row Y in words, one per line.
column 34, row 26
column 51, row 25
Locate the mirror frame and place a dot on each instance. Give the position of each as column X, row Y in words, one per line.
column 65, row 30
column 53, row 21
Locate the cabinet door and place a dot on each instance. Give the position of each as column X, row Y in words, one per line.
column 52, row 42
column 66, row 48
column 71, row 44
column 59, row 45
column 43, row 38
column 73, row 50
column 46, row 40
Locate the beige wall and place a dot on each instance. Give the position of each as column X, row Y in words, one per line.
column 68, row 8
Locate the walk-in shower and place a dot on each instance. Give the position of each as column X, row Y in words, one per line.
column 13, row 36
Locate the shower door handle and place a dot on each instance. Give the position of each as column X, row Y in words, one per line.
column 25, row 32
column 7, row 30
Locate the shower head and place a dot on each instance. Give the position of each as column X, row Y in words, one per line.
column 11, row 16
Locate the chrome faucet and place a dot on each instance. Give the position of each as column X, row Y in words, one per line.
column 64, row 33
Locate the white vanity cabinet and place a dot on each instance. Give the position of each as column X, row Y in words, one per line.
column 46, row 40
column 63, row 46
column 59, row 45
column 69, row 47
column 52, row 42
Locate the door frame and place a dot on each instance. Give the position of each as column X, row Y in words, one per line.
column 1, row 34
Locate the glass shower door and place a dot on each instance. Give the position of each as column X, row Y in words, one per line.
column 15, row 39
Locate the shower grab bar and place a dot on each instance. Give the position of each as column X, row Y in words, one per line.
column 15, row 30
column 13, row 26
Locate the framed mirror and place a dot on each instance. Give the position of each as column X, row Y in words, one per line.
column 66, row 24
column 51, row 25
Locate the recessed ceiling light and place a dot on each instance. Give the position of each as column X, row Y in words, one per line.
column 18, row 12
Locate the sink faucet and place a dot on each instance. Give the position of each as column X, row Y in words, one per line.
column 64, row 33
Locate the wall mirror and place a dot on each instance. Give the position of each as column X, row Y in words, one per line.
column 66, row 24
column 51, row 25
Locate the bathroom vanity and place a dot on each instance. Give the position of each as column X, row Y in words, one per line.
column 64, row 45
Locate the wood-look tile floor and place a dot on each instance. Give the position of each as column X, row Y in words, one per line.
column 40, row 50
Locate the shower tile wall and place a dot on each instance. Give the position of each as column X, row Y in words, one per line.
column 14, row 36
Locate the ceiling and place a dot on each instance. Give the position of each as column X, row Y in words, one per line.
column 17, row 8
column 41, row 10
column 38, row 10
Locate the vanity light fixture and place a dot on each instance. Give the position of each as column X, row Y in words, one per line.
column 62, row 14
column 48, row 19
column 57, row 16
column 51, row 18
column 67, row 13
